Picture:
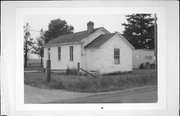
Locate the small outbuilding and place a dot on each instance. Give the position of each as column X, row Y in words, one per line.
column 142, row 57
column 96, row 49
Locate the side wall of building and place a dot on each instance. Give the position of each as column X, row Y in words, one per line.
column 65, row 62
column 107, row 64
column 92, row 60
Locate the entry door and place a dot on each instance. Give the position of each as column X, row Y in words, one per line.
column 93, row 60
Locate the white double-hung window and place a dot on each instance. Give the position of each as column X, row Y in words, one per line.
column 71, row 53
column 59, row 53
column 116, row 56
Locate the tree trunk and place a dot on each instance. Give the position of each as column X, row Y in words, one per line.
column 25, row 57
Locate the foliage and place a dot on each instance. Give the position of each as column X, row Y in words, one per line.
column 38, row 47
column 139, row 31
column 28, row 43
column 56, row 28
column 147, row 65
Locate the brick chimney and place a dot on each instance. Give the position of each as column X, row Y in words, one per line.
column 90, row 27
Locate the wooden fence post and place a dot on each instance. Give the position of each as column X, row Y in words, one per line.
column 78, row 68
column 48, row 70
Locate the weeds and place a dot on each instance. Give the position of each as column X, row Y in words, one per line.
column 86, row 84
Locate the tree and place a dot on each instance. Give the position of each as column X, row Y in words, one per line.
column 56, row 28
column 139, row 31
column 38, row 46
column 28, row 43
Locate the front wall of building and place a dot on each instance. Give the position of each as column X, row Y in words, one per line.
column 92, row 60
column 86, row 52
column 107, row 56
column 65, row 57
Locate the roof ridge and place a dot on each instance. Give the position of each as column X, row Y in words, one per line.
column 75, row 33
column 101, row 39
column 71, row 37
column 108, row 33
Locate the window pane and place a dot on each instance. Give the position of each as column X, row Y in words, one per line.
column 116, row 56
column 71, row 53
column 116, row 51
column 116, row 61
column 59, row 53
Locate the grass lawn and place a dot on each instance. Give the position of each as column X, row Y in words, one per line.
column 86, row 84
column 30, row 68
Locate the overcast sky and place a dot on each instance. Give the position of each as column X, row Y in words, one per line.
column 112, row 22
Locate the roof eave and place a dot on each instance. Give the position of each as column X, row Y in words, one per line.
column 91, row 47
column 126, row 41
column 67, row 43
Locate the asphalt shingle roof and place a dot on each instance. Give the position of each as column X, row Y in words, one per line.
column 96, row 43
column 73, row 37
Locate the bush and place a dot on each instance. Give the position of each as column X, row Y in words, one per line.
column 152, row 66
column 141, row 66
column 147, row 65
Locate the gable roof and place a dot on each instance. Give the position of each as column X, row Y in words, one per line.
column 126, row 41
column 70, row 38
column 96, row 43
column 100, row 40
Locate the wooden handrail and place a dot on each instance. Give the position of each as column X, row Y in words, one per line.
column 88, row 72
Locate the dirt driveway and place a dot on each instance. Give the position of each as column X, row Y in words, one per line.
column 146, row 94
column 36, row 95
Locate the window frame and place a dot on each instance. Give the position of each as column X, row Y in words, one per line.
column 59, row 53
column 71, row 53
column 117, row 56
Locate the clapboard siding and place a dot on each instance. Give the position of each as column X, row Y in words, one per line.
column 107, row 56
column 65, row 56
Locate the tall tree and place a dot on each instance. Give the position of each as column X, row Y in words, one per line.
column 139, row 31
column 56, row 28
column 38, row 46
column 28, row 43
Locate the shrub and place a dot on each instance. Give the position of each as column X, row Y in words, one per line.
column 147, row 65
column 141, row 66
column 152, row 66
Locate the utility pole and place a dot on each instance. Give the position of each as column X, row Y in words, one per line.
column 78, row 69
column 48, row 68
column 155, row 39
